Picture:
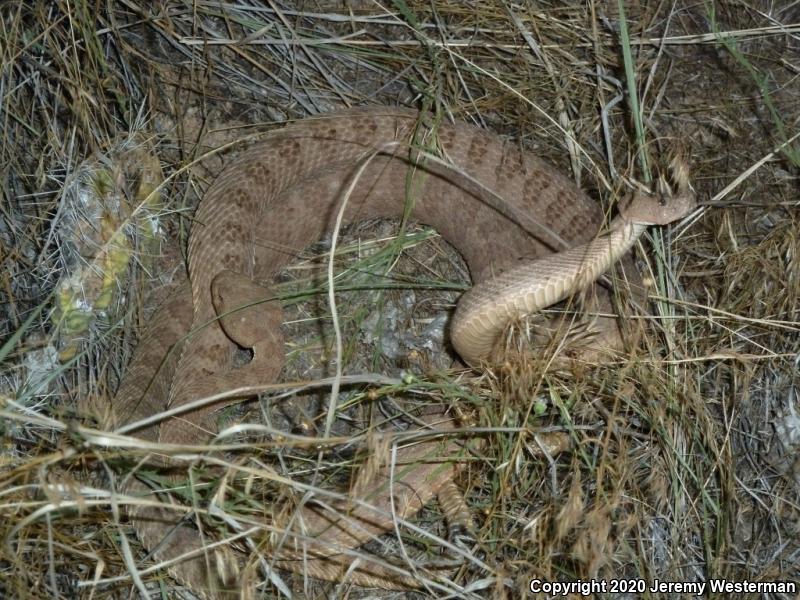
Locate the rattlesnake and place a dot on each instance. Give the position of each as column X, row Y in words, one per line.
column 280, row 195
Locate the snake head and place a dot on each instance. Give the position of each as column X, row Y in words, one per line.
column 668, row 204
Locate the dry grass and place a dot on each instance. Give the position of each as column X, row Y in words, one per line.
column 684, row 463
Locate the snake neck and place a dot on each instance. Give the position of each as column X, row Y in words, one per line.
column 625, row 232
column 484, row 311
column 610, row 247
column 581, row 266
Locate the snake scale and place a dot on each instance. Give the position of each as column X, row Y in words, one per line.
column 278, row 196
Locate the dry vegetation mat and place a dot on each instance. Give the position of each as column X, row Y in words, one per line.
column 683, row 461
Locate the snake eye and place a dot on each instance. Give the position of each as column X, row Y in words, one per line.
column 662, row 200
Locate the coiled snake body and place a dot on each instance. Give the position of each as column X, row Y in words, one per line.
column 276, row 198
